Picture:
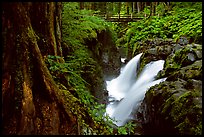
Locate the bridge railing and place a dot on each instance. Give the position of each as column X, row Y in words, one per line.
column 117, row 16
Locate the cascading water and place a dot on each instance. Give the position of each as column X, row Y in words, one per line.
column 126, row 79
column 128, row 90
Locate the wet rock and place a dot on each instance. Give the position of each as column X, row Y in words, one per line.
column 175, row 106
column 183, row 40
column 176, row 47
column 191, row 71
column 106, row 54
column 191, row 57
column 155, row 49
column 111, row 56
column 181, row 58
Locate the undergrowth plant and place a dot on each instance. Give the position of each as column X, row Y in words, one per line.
column 184, row 19
column 95, row 110
column 78, row 26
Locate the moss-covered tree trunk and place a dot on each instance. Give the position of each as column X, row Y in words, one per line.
column 31, row 102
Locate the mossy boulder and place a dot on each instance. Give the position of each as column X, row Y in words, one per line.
column 181, row 58
column 153, row 49
column 175, row 105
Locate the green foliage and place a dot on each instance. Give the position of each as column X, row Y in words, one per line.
column 127, row 129
column 182, row 113
column 78, row 27
column 72, row 71
column 185, row 19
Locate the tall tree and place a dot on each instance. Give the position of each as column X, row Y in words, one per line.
column 93, row 5
column 102, row 7
column 110, row 8
column 127, row 8
column 138, row 6
column 32, row 103
column 119, row 7
column 133, row 7
column 153, row 8
column 81, row 5
column 145, row 5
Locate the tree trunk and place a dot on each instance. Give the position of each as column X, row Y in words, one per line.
column 127, row 6
column 138, row 7
column 133, row 7
column 142, row 6
column 153, row 8
column 105, row 7
column 81, row 5
column 93, row 5
column 119, row 8
column 145, row 6
column 111, row 8
column 32, row 102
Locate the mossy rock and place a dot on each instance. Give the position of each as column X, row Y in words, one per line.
column 157, row 45
column 153, row 49
column 174, row 105
column 193, row 71
column 181, row 58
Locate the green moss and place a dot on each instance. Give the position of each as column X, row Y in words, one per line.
column 168, row 105
column 180, row 102
column 182, row 109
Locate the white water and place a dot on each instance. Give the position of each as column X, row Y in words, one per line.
column 128, row 90
column 122, row 60
column 118, row 87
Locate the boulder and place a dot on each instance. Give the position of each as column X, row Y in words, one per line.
column 175, row 106
column 181, row 58
column 155, row 49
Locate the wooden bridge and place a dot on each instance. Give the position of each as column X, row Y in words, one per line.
column 120, row 18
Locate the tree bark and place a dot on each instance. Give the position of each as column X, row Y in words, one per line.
column 138, row 6
column 94, row 5
column 133, row 7
column 127, row 8
column 153, row 8
column 142, row 6
column 32, row 103
column 119, row 7
column 81, row 4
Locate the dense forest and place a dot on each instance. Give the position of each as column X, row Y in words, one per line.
column 59, row 59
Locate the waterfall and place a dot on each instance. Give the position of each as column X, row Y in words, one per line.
column 128, row 74
column 128, row 90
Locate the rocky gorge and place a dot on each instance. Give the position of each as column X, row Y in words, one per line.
column 175, row 105
column 170, row 107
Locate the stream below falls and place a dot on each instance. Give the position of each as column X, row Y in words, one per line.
column 126, row 92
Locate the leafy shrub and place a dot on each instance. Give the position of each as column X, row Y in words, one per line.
column 78, row 27
column 185, row 19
